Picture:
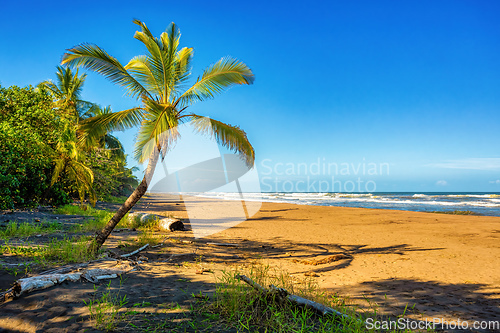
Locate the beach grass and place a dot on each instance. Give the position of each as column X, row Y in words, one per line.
column 26, row 229
column 105, row 309
column 55, row 252
column 98, row 217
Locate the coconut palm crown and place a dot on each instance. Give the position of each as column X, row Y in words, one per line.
column 158, row 80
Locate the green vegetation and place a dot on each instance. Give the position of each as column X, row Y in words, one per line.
column 158, row 80
column 16, row 229
column 98, row 218
column 55, row 252
column 105, row 310
column 248, row 310
column 29, row 132
column 45, row 159
column 235, row 307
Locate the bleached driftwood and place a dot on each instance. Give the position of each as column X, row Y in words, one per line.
column 39, row 282
column 134, row 252
column 224, row 244
column 170, row 224
column 148, row 218
column 96, row 274
column 283, row 293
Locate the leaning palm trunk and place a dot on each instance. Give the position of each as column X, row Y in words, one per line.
column 102, row 235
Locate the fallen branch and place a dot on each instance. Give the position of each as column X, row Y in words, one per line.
column 297, row 300
column 134, row 252
column 252, row 283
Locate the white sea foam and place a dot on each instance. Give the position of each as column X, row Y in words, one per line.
column 397, row 201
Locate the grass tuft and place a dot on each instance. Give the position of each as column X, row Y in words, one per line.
column 25, row 229
column 105, row 310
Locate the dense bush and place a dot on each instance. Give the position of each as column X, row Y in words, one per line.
column 28, row 129
column 111, row 176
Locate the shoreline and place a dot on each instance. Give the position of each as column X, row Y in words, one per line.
column 462, row 203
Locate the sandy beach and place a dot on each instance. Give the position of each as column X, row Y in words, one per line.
column 439, row 265
column 433, row 265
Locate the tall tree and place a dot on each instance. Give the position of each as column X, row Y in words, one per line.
column 157, row 80
column 68, row 156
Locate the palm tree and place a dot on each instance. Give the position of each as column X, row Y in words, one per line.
column 70, row 160
column 67, row 92
column 107, row 141
column 157, row 80
column 68, row 155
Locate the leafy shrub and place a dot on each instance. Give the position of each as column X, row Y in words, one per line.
column 28, row 128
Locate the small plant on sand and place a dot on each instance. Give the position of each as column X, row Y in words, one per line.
column 105, row 310
column 146, row 237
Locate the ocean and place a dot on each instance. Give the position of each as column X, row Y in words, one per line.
column 477, row 203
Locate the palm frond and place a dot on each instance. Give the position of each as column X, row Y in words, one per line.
column 232, row 137
column 94, row 58
column 58, row 168
column 141, row 69
column 159, row 65
column 182, row 68
column 51, row 88
column 215, row 79
column 158, row 130
column 92, row 129
column 70, row 83
column 114, row 145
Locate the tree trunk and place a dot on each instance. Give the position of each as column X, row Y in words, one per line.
column 101, row 236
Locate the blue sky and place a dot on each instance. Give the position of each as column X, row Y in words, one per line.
column 411, row 84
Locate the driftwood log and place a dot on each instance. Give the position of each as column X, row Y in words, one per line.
column 283, row 293
column 170, row 224
column 39, row 282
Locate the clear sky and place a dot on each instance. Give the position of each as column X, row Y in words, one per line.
column 412, row 85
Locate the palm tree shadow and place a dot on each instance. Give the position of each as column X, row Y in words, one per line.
column 429, row 299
